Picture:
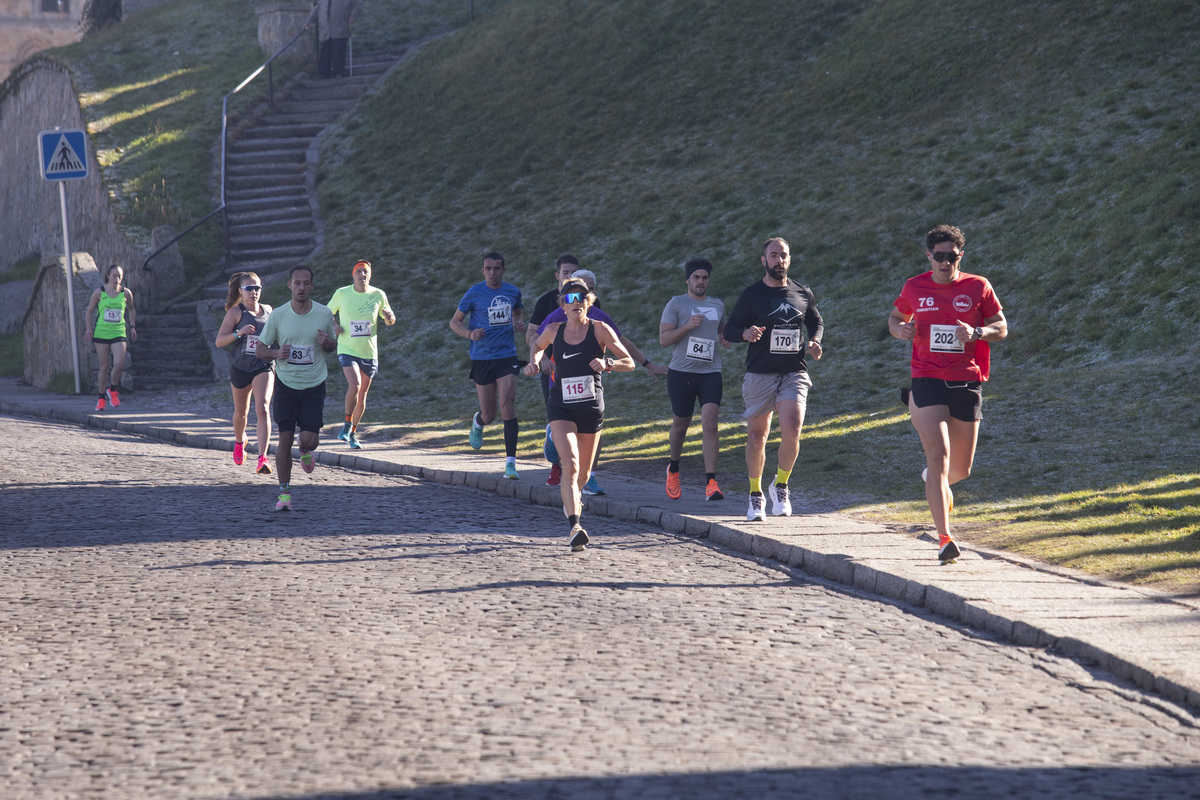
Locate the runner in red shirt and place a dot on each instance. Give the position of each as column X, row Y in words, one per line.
column 950, row 317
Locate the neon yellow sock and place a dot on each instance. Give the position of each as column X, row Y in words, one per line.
column 756, row 485
column 781, row 477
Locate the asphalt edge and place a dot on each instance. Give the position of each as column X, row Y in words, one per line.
column 838, row 568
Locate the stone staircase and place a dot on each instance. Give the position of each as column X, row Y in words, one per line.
column 271, row 224
column 171, row 350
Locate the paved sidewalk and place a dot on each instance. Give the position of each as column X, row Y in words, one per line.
column 1140, row 635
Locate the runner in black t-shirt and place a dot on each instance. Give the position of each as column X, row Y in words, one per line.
column 773, row 315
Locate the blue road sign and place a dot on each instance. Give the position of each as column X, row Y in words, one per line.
column 64, row 155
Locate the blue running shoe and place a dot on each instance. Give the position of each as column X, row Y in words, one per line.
column 475, row 437
column 592, row 487
column 549, row 450
column 354, row 445
column 344, row 433
column 510, row 471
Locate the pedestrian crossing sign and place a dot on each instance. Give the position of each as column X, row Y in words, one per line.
column 64, row 155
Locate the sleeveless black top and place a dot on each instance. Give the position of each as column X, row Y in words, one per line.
column 576, row 384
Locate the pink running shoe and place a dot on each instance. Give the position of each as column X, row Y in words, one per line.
column 239, row 452
column 307, row 462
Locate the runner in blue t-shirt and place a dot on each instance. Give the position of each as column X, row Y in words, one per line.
column 489, row 315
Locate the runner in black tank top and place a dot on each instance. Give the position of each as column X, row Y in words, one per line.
column 576, row 406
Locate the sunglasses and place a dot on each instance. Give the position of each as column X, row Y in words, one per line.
column 573, row 297
column 255, row 288
column 945, row 258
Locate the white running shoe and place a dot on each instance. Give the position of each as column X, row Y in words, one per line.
column 781, row 504
column 579, row 538
column 756, row 513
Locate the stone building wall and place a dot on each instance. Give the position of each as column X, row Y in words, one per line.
column 38, row 97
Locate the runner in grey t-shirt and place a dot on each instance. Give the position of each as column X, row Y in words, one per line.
column 692, row 324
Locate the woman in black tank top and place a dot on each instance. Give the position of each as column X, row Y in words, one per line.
column 248, row 374
column 576, row 406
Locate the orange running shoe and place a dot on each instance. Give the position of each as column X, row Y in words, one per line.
column 113, row 396
column 948, row 551
column 713, row 491
column 674, row 490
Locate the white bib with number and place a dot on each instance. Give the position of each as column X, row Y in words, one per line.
column 942, row 339
column 701, row 349
column 360, row 328
column 300, row 356
column 785, row 340
column 112, row 315
column 252, row 344
column 578, row 390
column 499, row 314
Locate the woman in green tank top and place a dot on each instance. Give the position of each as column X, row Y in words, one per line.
column 112, row 304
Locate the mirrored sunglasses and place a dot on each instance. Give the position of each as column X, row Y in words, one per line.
column 254, row 288
column 573, row 297
column 945, row 258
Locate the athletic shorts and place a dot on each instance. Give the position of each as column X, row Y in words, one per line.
column 109, row 341
column 490, row 370
column 587, row 418
column 685, row 388
column 240, row 378
column 303, row 407
column 762, row 391
column 963, row 398
column 368, row 366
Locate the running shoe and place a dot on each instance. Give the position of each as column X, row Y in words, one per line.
column 239, row 452
column 755, row 513
column 674, row 490
column 307, row 462
column 549, row 450
column 114, row 396
column 263, row 467
column 592, row 487
column 948, row 551
column 344, row 433
column 781, row 504
column 475, row 437
column 555, row 475
column 285, row 502
column 713, row 491
column 510, row 471
column 579, row 538
column 100, row 404
column 354, row 443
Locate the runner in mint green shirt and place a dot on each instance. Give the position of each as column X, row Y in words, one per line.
column 296, row 337
column 357, row 307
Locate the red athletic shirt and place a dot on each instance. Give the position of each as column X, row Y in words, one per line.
column 968, row 299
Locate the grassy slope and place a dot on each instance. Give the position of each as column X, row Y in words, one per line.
column 1062, row 138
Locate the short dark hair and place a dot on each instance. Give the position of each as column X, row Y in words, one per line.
column 494, row 256
column 565, row 258
column 775, row 239
column 297, row 268
column 945, row 233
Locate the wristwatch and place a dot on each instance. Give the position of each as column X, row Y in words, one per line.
column 608, row 363
column 978, row 334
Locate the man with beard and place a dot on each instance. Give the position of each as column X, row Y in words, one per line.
column 773, row 316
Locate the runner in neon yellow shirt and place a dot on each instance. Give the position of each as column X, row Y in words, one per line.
column 357, row 307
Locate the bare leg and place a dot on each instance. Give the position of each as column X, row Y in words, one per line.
column 791, row 420
column 757, row 429
column 675, row 439
column 264, row 387
column 360, row 402
column 241, row 409
column 488, row 402
column 283, row 455
column 566, row 440
column 103, row 350
column 118, row 357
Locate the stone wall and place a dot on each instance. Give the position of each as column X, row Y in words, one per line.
column 278, row 23
column 38, row 96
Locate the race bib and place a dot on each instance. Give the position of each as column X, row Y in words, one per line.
column 943, row 340
column 300, row 356
column 500, row 314
column 701, row 349
column 360, row 328
column 112, row 315
column 579, row 390
column 252, row 344
column 785, row 340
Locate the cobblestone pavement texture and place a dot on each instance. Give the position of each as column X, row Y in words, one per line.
column 168, row 635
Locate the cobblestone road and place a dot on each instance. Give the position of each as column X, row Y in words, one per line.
column 167, row 635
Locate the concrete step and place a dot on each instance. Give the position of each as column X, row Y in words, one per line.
column 268, row 144
column 244, row 232
column 292, row 179
column 274, row 201
column 295, row 251
column 282, row 133
column 266, row 214
column 277, row 118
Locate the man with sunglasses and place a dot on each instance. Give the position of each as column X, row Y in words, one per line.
column 773, row 315
column 358, row 307
column 949, row 316
column 490, row 315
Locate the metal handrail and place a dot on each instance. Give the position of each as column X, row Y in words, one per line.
column 224, row 147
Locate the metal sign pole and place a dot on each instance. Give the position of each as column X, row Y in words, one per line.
column 62, row 198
